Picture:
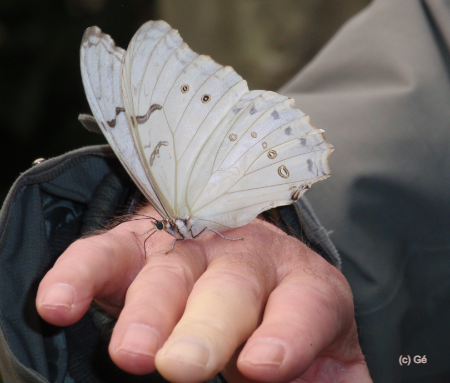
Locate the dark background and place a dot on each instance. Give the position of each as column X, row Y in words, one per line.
column 41, row 92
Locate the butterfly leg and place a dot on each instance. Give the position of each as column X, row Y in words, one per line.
column 229, row 239
column 199, row 234
column 173, row 245
column 145, row 232
column 145, row 242
column 221, row 235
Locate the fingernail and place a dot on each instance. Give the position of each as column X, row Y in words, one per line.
column 139, row 339
column 265, row 352
column 188, row 352
column 58, row 296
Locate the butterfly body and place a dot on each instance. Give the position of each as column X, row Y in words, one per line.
column 207, row 152
column 180, row 228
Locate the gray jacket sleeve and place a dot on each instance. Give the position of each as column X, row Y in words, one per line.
column 381, row 91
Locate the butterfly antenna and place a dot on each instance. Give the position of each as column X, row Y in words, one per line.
column 138, row 219
column 144, row 215
column 125, row 218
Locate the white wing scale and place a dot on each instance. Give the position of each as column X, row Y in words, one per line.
column 211, row 153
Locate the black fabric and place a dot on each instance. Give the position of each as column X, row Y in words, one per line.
column 49, row 207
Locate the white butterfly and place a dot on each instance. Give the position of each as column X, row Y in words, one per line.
column 207, row 153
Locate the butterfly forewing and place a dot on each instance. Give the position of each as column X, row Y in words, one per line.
column 101, row 68
column 190, row 95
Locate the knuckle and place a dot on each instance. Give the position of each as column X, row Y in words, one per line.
column 217, row 330
column 177, row 272
column 248, row 285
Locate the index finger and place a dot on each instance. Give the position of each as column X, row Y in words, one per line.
column 101, row 267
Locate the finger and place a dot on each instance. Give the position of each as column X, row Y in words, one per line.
column 99, row 267
column 309, row 312
column 154, row 303
column 221, row 312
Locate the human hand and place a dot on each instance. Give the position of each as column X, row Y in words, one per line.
column 187, row 312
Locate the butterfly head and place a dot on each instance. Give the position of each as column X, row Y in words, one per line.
column 160, row 225
column 170, row 227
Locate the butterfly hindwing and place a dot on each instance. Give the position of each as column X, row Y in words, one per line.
column 269, row 155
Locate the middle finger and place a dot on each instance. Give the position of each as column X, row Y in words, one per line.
column 221, row 312
column 154, row 303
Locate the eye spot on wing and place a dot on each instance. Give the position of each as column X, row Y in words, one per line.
column 233, row 137
column 264, row 145
column 272, row 154
column 254, row 135
column 185, row 88
column 206, row 98
column 283, row 172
